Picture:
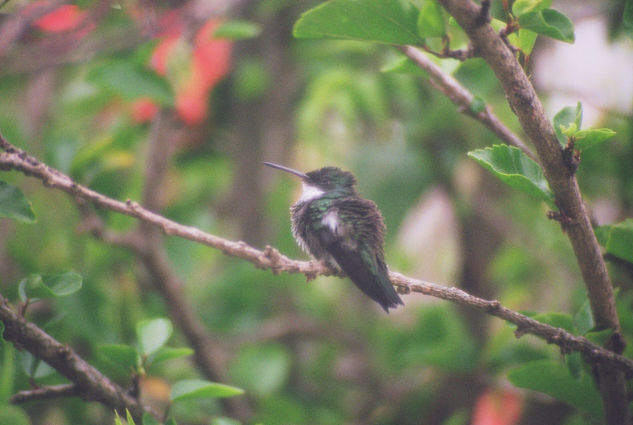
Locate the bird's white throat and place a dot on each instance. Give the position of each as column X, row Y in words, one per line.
column 310, row 192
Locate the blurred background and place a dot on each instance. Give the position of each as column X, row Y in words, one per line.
column 175, row 104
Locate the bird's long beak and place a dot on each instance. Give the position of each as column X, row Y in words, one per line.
column 287, row 170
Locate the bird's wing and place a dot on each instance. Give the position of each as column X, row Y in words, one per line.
column 364, row 266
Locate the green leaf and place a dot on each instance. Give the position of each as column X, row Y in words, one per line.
column 602, row 234
column 153, row 334
column 112, row 150
column 564, row 118
column 553, row 378
column 459, row 417
column 149, row 419
column 237, row 30
column 586, row 139
column 36, row 287
column 523, row 40
column 32, row 288
column 14, row 205
column 196, row 388
column 550, row 23
column 7, row 371
column 559, row 320
column 519, row 7
column 123, row 355
column 63, row 284
column 623, row 302
column 570, row 130
column 34, row 367
column 600, row 337
column 382, row 21
column 620, row 242
column 168, row 353
column 437, row 332
column 224, row 421
column 129, row 418
column 13, row 415
column 573, row 361
column 251, row 80
column 262, row 369
column 131, row 81
column 584, row 318
column 117, row 419
column 478, row 105
column 526, row 40
column 431, row 20
column 627, row 18
column 516, row 169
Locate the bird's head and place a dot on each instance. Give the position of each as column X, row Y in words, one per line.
column 326, row 180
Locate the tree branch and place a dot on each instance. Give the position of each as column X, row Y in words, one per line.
column 463, row 98
column 270, row 258
column 525, row 325
column 89, row 383
column 526, row 105
column 45, row 393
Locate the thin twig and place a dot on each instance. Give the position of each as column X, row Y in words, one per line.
column 463, row 98
column 272, row 259
column 525, row 325
column 44, row 393
column 447, row 53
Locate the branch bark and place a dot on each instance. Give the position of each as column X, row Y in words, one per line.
column 45, row 393
column 526, row 105
column 89, row 383
column 272, row 259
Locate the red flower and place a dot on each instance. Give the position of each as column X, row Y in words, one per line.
column 144, row 109
column 158, row 61
column 191, row 105
column 64, row 18
column 498, row 407
column 192, row 72
column 211, row 56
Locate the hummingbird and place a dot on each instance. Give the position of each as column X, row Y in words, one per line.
column 333, row 224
